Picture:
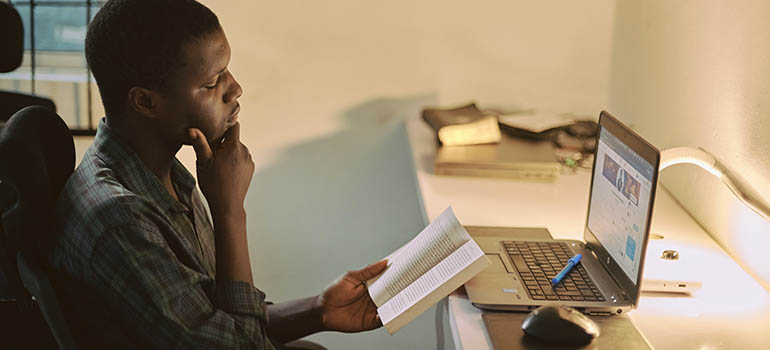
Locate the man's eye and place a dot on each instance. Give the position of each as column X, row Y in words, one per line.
column 216, row 82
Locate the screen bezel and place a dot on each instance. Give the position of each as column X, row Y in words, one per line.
column 651, row 155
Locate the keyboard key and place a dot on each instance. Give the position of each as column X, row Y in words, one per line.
column 570, row 293
column 518, row 261
column 538, row 297
column 547, row 290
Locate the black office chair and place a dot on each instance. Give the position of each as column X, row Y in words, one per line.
column 11, row 53
column 37, row 156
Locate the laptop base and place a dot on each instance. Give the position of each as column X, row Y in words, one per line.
column 500, row 288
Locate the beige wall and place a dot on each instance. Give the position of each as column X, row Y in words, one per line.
column 697, row 73
column 302, row 63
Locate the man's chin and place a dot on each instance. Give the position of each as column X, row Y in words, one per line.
column 219, row 139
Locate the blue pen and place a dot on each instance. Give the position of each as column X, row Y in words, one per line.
column 570, row 264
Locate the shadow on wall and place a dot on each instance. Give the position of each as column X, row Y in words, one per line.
column 335, row 203
column 339, row 203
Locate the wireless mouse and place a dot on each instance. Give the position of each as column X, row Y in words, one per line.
column 560, row 325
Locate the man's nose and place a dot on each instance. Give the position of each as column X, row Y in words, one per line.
column 234, row 92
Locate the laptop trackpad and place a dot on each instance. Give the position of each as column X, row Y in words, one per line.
column 497, row 264
column 496, row 275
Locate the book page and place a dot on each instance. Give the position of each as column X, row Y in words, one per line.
column 435, row 243
column 435, row 278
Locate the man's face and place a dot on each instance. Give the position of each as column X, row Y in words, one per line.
column 203, row 94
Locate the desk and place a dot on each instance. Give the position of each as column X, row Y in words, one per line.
column 730, row 311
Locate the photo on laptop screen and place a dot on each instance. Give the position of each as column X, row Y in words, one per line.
column 621, row 200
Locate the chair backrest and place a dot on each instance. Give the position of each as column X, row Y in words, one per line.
column 37, row 156
column 11, row 38
column 11, row 55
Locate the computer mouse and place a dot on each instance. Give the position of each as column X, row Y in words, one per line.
column 561, row 325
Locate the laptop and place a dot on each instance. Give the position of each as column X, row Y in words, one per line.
column 608, row 278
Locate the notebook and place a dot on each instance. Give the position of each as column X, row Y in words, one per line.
column 608, row 278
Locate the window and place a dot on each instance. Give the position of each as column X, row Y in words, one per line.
column 54, row 63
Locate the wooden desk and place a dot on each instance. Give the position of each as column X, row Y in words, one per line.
column 730, row 311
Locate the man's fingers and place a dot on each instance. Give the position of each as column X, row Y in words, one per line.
column 370, row 271
column 200, row 144
column 233, row 135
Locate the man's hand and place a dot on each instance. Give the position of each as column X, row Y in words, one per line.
column 224, row 171
column 346, row 305
column 224, row 174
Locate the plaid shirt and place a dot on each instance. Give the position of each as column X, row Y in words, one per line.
column 140, row 265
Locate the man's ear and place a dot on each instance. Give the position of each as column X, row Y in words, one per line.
column 143, row 101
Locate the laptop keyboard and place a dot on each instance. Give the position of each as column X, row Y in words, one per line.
column 539, row 262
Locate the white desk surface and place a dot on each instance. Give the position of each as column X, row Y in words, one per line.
column 730, row 311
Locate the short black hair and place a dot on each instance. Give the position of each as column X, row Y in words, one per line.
column 139, row 43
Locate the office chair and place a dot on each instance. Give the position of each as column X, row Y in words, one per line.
column 37, row 156
column 11, row 53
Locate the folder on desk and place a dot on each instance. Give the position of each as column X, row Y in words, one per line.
column 512, row 158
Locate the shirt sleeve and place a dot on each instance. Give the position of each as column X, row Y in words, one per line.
column 169, row 305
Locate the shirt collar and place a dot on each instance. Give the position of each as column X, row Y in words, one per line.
column 135, row 175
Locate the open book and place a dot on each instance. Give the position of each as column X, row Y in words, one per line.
column 436, row 262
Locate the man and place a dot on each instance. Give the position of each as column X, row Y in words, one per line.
column 141, row 262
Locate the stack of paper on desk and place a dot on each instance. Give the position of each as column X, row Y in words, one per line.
column 436, row 262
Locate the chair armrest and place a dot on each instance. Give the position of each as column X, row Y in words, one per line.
column 40, row 287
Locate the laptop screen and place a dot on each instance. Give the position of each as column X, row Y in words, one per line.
column 620, row 201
